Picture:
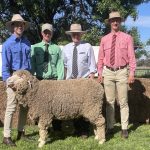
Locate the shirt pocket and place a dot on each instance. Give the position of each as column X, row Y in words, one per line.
column 124, row 51
column 53, row 57
column 83, row 56
column 107, row 49
column 27, row 52
column 39, row 55
column 16, row 55
column 123, row 45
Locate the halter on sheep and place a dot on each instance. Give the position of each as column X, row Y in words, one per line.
column 62, row 99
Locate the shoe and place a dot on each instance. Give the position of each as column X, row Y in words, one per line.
column 8, row 141
column 21, row 135
column 124, row 134
column 110, row 131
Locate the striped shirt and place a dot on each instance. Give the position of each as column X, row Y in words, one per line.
column 124, row 52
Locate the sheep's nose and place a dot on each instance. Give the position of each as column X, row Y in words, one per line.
column 9, row 80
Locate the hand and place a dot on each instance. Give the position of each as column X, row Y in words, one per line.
column 131, row 79
column 91, row 76
column 4, row 84
column 100, row 79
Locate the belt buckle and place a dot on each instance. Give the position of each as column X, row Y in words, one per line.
column 114, row 69
column 119, row 68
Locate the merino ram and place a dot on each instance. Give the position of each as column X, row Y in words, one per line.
column 63, row 99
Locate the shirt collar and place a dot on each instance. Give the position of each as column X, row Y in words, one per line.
column 116, row 33
column 73, row 44
column 43, row 43
column 14, row 37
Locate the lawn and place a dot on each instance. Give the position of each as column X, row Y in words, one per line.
column 139, row 139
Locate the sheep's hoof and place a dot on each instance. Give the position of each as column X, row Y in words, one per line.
column 41, row 144
column 102, row 141
column 96, row 137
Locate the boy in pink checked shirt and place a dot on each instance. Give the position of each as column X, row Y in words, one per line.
column 115, row 53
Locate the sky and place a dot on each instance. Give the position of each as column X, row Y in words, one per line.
column 142, row 22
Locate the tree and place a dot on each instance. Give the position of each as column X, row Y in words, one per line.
column 138, row 45
column 61, row 13
column 148, row 42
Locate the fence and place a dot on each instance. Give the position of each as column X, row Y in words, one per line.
column 0, row 60
column 140, row 71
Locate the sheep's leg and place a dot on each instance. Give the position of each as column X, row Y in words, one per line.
column 95, row 132
column 99, row 123
column 43, row 133
column 100, row 129
column 43, row 125
column 43, row 137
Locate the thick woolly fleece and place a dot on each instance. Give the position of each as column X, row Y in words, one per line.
column 63, row 99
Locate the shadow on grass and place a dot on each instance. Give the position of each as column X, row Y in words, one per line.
column 61, row 135
column 32, row 134
column 134, row 126
column 30, row 137
column 117, row 129
column 58, row 135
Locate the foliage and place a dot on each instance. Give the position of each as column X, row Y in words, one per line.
column 148, row 42
column 140, row 52
column 138, row 45
column 93, row 36
column 61, row 13
column 138, row 140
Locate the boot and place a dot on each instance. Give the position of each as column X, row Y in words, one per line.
column 8, row 141
column 124, row 134
column 110, row 131
column 21, row 135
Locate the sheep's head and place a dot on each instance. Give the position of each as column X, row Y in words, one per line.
column 21, row 82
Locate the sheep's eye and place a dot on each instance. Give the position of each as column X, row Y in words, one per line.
column 20, row 77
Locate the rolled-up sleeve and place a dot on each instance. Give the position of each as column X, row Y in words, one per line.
column 64, row 57
column 100, row 58
column 92, row 62
column 33, row 60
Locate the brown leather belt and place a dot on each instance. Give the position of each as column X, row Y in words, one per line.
column 116, row 69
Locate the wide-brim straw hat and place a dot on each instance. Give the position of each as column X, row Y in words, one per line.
column 112, row 15
column 75, row 28
column 17, row 18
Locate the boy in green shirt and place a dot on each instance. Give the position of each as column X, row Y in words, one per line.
column 46, row 60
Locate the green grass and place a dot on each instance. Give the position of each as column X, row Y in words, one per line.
column 139, row 139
